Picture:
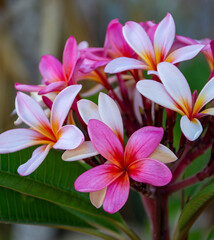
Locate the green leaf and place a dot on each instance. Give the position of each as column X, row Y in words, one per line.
column 193, row 210
column 53, row 181
column 211, row 235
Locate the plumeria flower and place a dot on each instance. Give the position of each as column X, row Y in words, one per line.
column 152, row 52
column 175, row 94
column 56, row 75
column 107, row 112
column 134, row 161
column 48, row 134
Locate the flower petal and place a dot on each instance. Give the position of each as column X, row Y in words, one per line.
column 163, row 154
column 208, row 111
column 32, row 114
column 85, row 150
column 97, row 197
column 28, row 88
column 176, row 85
column 70, row 55
column 110, row 114
column 61, row 106
column 156, row 92
column 97, row 178
column 142, row 143
column 51, row 69
column 69, row 137
column 184, row 53
column 17, row 139
column 191, row 129
column 33, row 163
column 150, row 171
column 205, row 96
column 139, row 41
column 123, row 64
column 106, row 142
column 53, row 87
column 117, row 194
column 88, row 110
column 164, row 37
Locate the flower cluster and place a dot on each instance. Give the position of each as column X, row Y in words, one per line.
column 123, row 138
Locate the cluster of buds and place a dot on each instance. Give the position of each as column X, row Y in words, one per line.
column 124, row 137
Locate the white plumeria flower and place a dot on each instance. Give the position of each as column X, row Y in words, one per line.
column 108, row 112
column 48, row 134
column 175, row 94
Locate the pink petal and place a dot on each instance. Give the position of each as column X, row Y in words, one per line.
column 51, row 69
column 205, row 96
column 106, row 142
column 62, row 105
column 53, row 87
column 97, row 197
column 123, row 64
column 70, row 55
column 116, row 40
column 157, row 93
column 176, row 85
column 17, row 139
column 32, row 114
column 117, row 194
column 142, row 143
column 139, row 41
column 192, row 129
column 85, row 150
column 69, row 137
column 150, row 171
column 88, row 110
column 163, row 154
column 110, row 114
column 164, row 37
column 184, row 53
column 33, row 163
column 28, row 88
column 97, row 178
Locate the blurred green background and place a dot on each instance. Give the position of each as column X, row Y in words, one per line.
column 32, row 28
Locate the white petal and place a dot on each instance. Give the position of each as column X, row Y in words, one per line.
column 164, row 37
column 139, row 41
column 98, row 197
column 85, row 150
column 208, row 111
column 205, row 96
column 88, row 110
column 123, row 64
column 191, row 129
column 176, row 85
column 163, row 154
column 17, row 139
column 156, row 92
column 184, row 53
column 110, row 114
column 69, row 137
column 33, row 163
column 62, row 105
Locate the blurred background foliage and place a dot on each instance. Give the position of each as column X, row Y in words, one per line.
column 32, row 28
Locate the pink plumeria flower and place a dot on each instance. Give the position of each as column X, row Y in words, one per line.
column 56, row 75
column 133, row 162
column 175, row 94
column 48, row 134
column 107, row 112
column 152, row 52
